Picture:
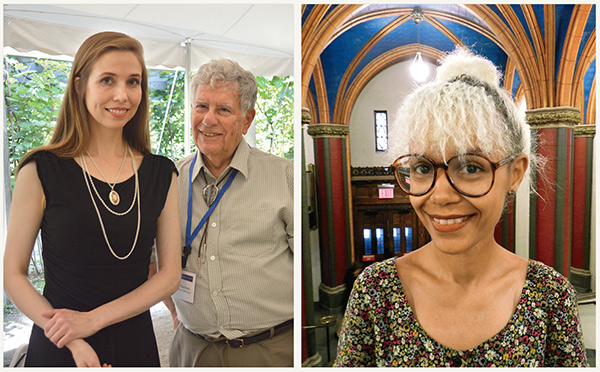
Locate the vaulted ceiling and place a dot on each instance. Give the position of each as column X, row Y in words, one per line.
column 547, row 53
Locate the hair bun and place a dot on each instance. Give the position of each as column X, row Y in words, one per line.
column 462, row 61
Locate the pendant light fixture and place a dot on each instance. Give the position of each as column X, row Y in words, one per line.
column 419, row 70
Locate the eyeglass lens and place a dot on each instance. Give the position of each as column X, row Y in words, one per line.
column 470, row 174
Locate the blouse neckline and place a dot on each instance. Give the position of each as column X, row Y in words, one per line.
column 411, row 315
column 118, row 183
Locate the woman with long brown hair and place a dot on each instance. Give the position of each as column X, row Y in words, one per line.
column 100, row 199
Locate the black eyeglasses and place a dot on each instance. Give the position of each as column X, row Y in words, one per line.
column 470, row 174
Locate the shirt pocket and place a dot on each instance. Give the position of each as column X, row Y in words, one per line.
column 251, row 232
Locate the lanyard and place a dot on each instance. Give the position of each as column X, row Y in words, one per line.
column 189, row 235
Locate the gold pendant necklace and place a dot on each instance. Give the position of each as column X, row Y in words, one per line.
column 113, row 196
column 136, row 195
column 91, row 181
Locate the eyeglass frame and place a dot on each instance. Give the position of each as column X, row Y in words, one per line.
column 444, row 166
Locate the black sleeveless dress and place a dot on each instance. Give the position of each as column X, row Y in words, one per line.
column 80, row 271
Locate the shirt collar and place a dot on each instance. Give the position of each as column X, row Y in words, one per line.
column 239, row 161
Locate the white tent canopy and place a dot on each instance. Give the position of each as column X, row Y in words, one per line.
column 259, row 37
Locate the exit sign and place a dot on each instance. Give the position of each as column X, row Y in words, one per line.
column 385, row 191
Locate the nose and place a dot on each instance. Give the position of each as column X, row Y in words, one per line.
column 120, row 93
column 209, row 118
column 443, row 193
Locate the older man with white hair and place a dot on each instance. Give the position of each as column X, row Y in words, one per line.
column 235, row 301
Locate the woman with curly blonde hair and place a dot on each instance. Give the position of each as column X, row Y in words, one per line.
column 461, row 299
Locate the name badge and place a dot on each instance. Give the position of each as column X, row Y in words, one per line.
column 187, row 287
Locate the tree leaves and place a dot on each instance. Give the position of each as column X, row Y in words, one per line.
column 34, row 89
column 274, row 119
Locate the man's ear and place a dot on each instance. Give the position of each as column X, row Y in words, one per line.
column 248, row 119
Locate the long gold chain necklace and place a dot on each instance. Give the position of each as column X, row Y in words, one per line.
column 113, row 196
column 85, row 167
column 136, row 195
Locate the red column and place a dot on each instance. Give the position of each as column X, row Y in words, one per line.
column 551, row 211
column 579, row 272
column 332, row 169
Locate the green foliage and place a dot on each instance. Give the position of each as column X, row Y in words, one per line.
column 32, row 97
column 170, row 131
column 274, row 119
column 34, row 89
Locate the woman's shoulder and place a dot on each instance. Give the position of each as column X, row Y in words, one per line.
column 47, row 162
column 540, row 272
column 158, row 158
column 379, row 272
column 41, row 155
column 549, row 281
column 160, row 162
column 377, row 268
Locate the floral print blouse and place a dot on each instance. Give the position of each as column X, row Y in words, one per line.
column 380, row 329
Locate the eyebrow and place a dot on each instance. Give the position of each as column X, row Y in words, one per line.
column 227, row 105
column 475, row 150
column 108, row 73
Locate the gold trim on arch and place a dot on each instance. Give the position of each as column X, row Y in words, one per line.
column 550, row 52
column 509, row 75
column 321, row 91
column 313, row 43
column 429, row 15
column 536, row 51
column 519, row 94
column 312, row 107
column 564, row 80
column 359, row 57
column 526, row 51
column 588, row 55
column 591, row 109
column 512, row 49
column 534, row 59
column 319, row 30
column 403, row 16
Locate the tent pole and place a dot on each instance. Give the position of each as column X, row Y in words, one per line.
column 162, row 129
column 187, row 97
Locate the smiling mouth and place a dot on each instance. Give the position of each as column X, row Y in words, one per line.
column 117, row 111
column 208, row 134
column 447, row 225
column 449, row 221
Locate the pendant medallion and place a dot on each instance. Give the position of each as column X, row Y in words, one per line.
column 114, row 197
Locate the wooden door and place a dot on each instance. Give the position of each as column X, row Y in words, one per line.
column 384, row 231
